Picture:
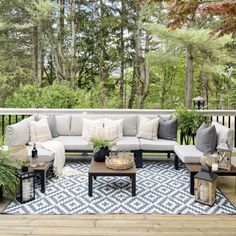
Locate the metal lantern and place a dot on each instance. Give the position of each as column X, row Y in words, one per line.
column 26, row 191
column 198, row 102
column 205, row 182
column 224, row 156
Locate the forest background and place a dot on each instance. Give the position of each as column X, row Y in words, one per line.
column 117, row 54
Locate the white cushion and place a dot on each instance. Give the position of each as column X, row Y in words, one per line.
column 63, row 124
column 118, row 123
column 40, row 131
column 74, row 143
column 148, row 128
column 127, row 144
column 19, row 133
column 224, row 134
column 76, row 125
column 88, row 126
column 157, row 145
column 109, row 133
column 188, row 153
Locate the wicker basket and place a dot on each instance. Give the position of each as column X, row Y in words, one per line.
column 120, row 161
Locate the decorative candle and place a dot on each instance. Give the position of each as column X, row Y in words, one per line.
column 214, row 166
column 26, row 190
column 204, row 193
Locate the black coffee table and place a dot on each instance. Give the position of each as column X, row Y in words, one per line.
column 99, row 169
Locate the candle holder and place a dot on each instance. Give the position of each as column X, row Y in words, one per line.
column 205, row 182
column 26, row 191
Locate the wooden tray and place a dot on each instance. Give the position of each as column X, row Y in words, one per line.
column 120, row 161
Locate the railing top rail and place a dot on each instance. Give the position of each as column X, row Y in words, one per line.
column 31, row 111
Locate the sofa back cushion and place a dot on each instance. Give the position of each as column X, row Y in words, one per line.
column 19, row 133
column 76, row 125
column 206, row 139
column 63, row 124
column 129, row 123
column 224, row 134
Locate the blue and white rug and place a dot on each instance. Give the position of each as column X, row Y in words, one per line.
column 160, row 189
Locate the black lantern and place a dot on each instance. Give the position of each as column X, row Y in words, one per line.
column 26, row 191
column 198, row 102
column 205, row 183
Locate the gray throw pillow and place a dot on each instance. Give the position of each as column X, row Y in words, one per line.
column 51, row 122
column 206, row 139
column 167, row 129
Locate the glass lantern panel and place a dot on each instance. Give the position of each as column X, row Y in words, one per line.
column 203, row 191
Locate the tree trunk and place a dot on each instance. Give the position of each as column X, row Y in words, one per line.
column 122, row 59
column 61, row 34
column 204, row 83
column 35, row 52
column 72, row 48
column 189, row 79
column 40, row 55
column 136, row 61
column 102, row 45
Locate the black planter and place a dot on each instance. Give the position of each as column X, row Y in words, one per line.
column 101, row 154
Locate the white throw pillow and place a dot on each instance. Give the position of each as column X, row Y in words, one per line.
column 118, row 123
column 148, row 128
column 109, row 133
column 88, row 125
column 40, row 131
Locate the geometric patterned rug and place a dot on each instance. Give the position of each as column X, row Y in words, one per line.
column 160, row 189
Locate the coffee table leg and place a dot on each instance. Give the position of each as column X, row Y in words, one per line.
column 43, row 181
column 90, row 190
column 133, row 177
column 192, row 183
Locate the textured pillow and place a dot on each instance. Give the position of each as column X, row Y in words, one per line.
column 51, row 122
column 148, row 128
column 109, row 133
column 118, row 123
column 88, row 126
column 40, row 131
column 206, row 139
column 167, row 129
column 223, row 134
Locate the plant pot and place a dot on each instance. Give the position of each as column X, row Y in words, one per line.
column 101, row 154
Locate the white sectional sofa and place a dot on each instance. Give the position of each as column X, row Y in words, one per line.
column 69, row 128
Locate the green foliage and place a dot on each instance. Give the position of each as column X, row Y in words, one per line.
column 189, row 121
column 8, row 179
column 100, row 142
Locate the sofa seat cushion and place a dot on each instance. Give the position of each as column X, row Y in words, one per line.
column 127, row 144
column 189, row 153
column 157, row 145
column 74, row 143
column 44, row 155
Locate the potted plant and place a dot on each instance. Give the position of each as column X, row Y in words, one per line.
column 101, row 148
column 188, row 122
column 8, row 180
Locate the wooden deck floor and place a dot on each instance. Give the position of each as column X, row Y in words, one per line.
column 131, row 225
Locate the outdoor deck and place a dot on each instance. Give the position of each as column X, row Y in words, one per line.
column 140, row 224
